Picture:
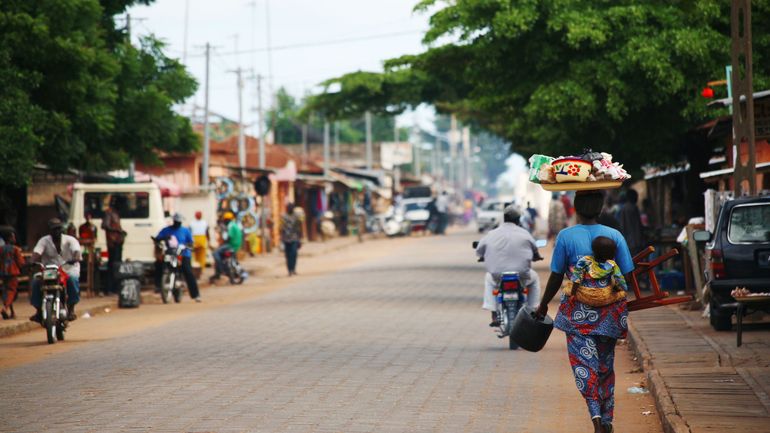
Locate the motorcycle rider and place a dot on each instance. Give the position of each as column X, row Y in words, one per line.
column 62, row 250
column 508, row 248
column 233, row 237
column 183, row 236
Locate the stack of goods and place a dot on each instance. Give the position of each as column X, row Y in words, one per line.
column 742, row 292
column 589, row 167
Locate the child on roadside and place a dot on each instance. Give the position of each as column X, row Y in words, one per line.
column 11, row 264
column 596, row 280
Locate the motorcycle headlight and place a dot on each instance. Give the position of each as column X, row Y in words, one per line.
column 399, row 218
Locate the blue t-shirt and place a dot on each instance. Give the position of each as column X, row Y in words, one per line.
column 182, row 235
column 575, row 242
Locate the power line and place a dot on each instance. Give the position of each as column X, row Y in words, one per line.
column 320, row 43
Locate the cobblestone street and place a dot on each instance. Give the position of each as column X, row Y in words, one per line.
column 395, row 344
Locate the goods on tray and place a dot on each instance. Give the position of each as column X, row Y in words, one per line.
column 742, row 292
column 589, row 167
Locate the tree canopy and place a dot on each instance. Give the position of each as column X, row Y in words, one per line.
column 555, row 76
column 76, row 94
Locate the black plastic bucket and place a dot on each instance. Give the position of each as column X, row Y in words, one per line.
column 530, row 333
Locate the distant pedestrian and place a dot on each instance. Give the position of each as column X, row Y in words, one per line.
column 291, row 235
column 568, row 208
column 200, row 232
column 630, row 221
column 115, row 237
column 557, row 216
column 11, row 265
column 442, row 207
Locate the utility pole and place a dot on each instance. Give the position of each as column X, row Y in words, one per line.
column 466, row 160
column 743, row 88
column 305, row 150
column 186, row 25
column 437, row 156
column 326, row 147
column 396, row 166
column 368, row 119
column 241, row 138
column 453, row 151
column 206, row 125
column 417, row 149
column 336, row 141
column 132, row 164
column 261, row 124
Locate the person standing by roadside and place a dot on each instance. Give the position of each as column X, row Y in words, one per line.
column 557, row 216
column 291, row 233
column 442, row 207
column 200, row 233
column 115, row 237
column 87, row 231
column 592, row 332
column 630, row 221
column 11, row 264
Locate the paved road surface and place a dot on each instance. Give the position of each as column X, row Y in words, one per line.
column 396, row 343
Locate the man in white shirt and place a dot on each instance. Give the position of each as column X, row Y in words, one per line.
column 442, row 207
column 509, row 248
column 62, row 250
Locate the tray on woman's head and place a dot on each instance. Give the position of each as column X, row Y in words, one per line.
column 582, row 186
column 753, row 298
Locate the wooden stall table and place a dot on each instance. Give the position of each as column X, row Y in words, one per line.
column 746, row 304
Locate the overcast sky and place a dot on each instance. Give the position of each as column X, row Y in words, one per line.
column 313, row 40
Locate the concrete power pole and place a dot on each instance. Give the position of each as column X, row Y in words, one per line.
column 337, row 142
column 466, row 160
column 396, row 167
column 743, row 88
column 326, row 148
column 261, row 125
column 453, row 151
column 368, row 118
column 206, row 125
column 241, row 137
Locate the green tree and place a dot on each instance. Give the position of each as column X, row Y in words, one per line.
column 554, row 76
column 75, row 94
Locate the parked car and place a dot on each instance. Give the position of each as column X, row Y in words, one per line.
column 416, row 212
column 738, row 255
column 490, row 214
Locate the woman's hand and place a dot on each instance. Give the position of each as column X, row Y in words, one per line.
column 541, row 311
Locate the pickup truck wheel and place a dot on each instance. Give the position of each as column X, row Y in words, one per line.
column 719, row 320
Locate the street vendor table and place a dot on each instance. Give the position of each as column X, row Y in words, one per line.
column 748, row 304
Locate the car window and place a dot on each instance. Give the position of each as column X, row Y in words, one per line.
column 130, row 205
column 749, row 224
column 415, row 206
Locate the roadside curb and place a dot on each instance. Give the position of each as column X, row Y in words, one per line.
column 669, row 416
column 150, row 297
column 26, row 326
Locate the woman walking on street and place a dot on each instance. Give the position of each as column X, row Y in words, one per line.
column 291, row 234
column 591, row 331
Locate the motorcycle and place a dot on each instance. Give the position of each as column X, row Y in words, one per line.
column 53, row 309
column 510, row 296
column 172, row 285
column 233, row 269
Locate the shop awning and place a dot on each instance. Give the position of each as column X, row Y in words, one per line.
column 762, row 166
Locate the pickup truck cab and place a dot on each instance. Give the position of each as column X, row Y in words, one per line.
column 738, row 255
column 139, row 205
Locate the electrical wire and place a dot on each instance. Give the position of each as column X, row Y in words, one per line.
column 318, row 44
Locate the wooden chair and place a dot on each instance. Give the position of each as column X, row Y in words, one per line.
column 658, row 297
